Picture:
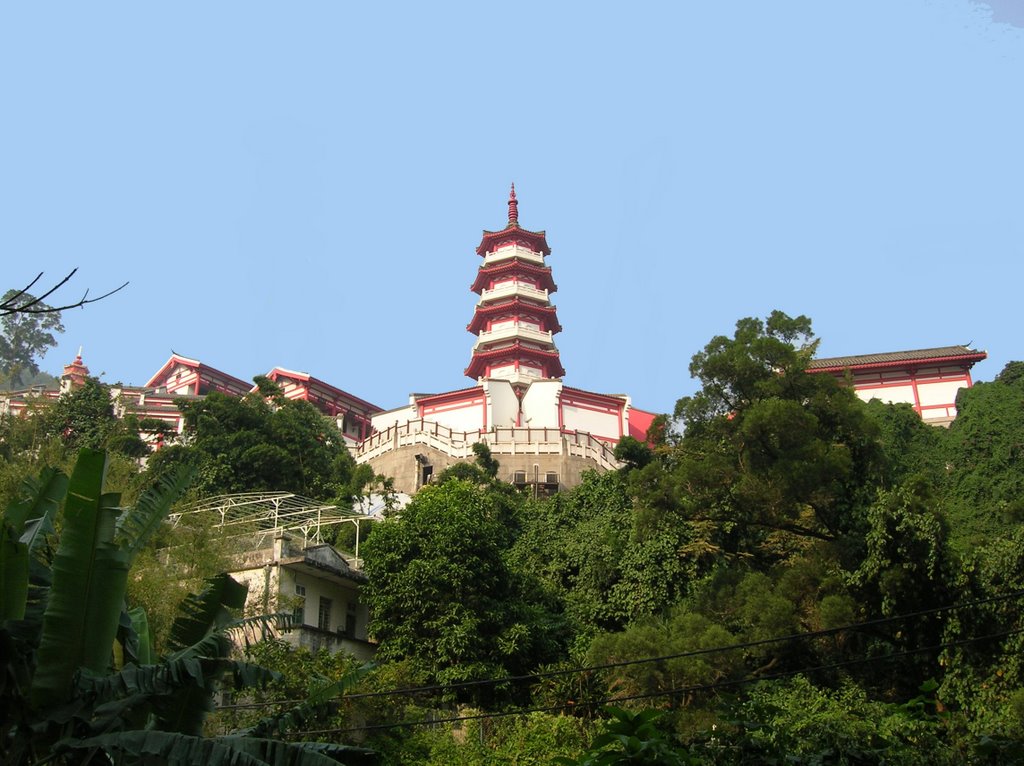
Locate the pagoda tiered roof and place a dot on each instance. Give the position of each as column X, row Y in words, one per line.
column 532, row 240
column 512, row 267
column 517, row 305
column 515, row 350
column 513, row 287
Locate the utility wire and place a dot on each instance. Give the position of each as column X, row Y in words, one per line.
column 625, row 663
column 665, row 693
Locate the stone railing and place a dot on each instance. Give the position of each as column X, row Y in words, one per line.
column 501, row 441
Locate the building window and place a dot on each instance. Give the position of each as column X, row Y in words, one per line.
column 299, row 612
column 323, row 618
column 350, row 620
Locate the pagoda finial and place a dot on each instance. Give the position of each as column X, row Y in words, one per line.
column 513, row 207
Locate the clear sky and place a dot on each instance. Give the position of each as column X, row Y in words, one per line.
column 304, row 184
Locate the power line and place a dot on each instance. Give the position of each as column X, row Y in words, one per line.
column 662, row 658
column 664, row 693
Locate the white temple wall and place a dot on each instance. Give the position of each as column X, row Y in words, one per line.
column 384, row 420
column 888, row 394
column 576, row 417
column 503, row 404
column 466, row 414
column 540, row 404
column 939, row 392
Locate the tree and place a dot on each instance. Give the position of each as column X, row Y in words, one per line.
column 21, row 302
column 771, row 456
column 24, row 337
column 985, row 455
column 252, row 444
column 631, row 739
column 440, row 592
column 606, row 558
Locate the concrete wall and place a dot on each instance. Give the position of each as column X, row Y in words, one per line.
column 402, row 466
column 382, row 421
column 931, row 390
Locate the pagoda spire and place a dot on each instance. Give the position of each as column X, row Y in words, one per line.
column 513, row 207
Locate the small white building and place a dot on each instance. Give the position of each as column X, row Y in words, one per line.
column 317, row 585
column 281, row 553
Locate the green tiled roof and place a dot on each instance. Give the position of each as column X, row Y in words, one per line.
column 943, row 353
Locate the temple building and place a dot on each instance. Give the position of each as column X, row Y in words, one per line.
column 183, row 378
column 544, row 433
column 928, row 379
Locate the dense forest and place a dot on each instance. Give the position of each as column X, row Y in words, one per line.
column 782, row 574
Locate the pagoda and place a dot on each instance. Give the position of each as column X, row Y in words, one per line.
column 544, row 433
column 514, row 320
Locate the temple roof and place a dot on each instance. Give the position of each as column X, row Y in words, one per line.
column 304, row 377
column 916, row 357
column 203, row 370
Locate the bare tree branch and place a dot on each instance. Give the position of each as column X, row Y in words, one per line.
column 35, row 305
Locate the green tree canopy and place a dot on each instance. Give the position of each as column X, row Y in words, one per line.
column 441, row 594
column 252, row 444
column 24, row 338
column 985, row 458
column 770, row 454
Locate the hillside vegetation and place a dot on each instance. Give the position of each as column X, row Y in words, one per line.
column 784, row 574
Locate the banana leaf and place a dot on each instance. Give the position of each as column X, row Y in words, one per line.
column 138, row 524
column 25, row 525
column 89, row 581
column 206, row 612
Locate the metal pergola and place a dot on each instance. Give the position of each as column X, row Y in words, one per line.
column 268, row 514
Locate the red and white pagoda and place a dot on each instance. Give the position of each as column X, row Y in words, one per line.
column 514, row 320
column 544, row 433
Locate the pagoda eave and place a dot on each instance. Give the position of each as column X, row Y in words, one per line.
column 514, row 266
column 476, row 370
column 515, row 306
column 549, row 359
column 534, row 240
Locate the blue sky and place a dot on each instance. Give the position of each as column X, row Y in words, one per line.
column 304, row 185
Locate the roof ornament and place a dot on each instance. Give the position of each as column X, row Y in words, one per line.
column 513, row 208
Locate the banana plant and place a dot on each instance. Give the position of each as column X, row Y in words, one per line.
column 76, row 678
